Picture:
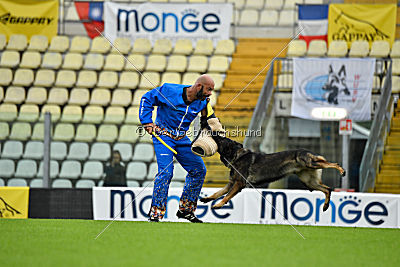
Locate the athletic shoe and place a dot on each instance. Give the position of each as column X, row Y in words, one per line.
column 153, row 219
column 188, row 216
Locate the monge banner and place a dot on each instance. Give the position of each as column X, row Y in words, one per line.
column 332, row 82
column 29, row 17
column 172, row 21
column 297, row 207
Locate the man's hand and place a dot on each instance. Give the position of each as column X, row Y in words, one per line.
column 149, row 127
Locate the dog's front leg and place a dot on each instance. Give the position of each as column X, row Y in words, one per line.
column 217, row 194
column 237, row 187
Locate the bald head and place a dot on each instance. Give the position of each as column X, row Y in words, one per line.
column 205, row 80
column 202, row 88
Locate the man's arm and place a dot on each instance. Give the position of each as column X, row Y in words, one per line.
column 147, row 103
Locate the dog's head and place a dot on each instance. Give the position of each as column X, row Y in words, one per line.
column 336, row 80
column 227, row 148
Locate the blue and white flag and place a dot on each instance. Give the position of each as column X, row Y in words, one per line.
column 313, row 22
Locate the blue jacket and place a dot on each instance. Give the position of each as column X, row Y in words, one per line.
column 172, row 112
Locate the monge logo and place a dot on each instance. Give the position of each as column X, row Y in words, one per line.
column 189, row 20
column 347, row 209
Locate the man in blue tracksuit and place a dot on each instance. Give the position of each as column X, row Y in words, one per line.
column 177, row 106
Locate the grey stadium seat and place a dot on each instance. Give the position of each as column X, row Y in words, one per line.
column 125, row 150
column 133, row 183
column 92, row 170
column 100, row 151
column 16, row 182
column 36, row 183
column 12, row 150
column 143, row 152
column 7, row 168
column 58, row 150
column 62, row 183
column 54, row 168
column 70, row 169
column 78, row 151
column 136, row 171
column 85, row 184
column 26, row 168
column 33, row 150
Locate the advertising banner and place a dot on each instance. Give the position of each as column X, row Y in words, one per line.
column 14, row 202
column 351, row 22
column 172, row 21
column 299, row 207
column 29, row 17
column 332, row 82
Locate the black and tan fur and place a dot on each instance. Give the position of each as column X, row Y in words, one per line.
column 259, row 167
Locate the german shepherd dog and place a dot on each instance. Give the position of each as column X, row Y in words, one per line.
column 335, row 85
column 258, row 167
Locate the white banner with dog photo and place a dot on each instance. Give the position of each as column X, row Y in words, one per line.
column 338, row 83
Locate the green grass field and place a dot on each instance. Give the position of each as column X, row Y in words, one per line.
column 71, row 242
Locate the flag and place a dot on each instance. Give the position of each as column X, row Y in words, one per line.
column 313, row 22
column 92, row 15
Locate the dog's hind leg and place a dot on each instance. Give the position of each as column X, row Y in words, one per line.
column 237, row 187
column 321, row 163
column 217, row 194
column 312, row 179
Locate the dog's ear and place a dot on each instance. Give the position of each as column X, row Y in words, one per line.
column 330, row 69
column 342, row 71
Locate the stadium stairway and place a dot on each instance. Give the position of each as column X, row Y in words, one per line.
column 238, row 97
column 388, row 178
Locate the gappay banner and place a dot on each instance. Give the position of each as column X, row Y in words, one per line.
column 351, row 22
column 14, row 202
column 29, row 17
column 172, row 21
column 335, row 83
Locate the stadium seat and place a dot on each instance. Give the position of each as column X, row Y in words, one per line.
column 136, row 171
column 359, row 49
column 7, row 168
column 183, row 47
column 122, row 44
column 128, row 80
column 58, row 150
column 147, row 184
column 64, row 132
column 26, row 168
column 337, row 48
column 93, row 114
column 179, row 172
column 287, row 18
column 100, row 151
column 254, row 4
column 121, row 97
column 153, row 170
column 72, row 114
column 296, row 48
column 317, row 48
column 8, row 112
column 143, row 152
column 38, row 43
column 156, row 63
column 291, row 4
column 177, row 63
column 14, row 95
column 128, row 134
column 146, row 138
column 248, row 17
column 124, row 149
column 30, row 60
column 44, row 78
column 86, row 79
column 59, row 44
column 20, row 131
column 38, row 132
column 58, row 96
column 28, row 113
column 5, row 77
column 12, row 150
column 395, row 84
column 79, row 44
column 218, row 64
column 54, row 110
column 141, row 46
column 225, row 47
column 23, row 77
column 3, row 41
column 395, row 52
column 65, row 78
column 17, row 42
column 132, row 114
column 376, row 84
column 107, row 133
column 114, row 115
column 79, row 96
column 92, row 170
column 204, row 47
column 380, row 49
column 2, row 183
column 132, row 183
column 171, row 77
column 85, row 133
column 51, row 61
column 85, row 184
column 100, row 97
column 189, row 78
column 70, row 169
column 33, row 150
column 54, row 169
column 9, row 59
column 100, row 45
column 218, row 80
column 4, row 130
column 72, row 61
column 61, row 183
column 238, row 4
column 135, row 63
column 114, row 62
column 162, row 46
column 137, row 96
column 197, row 64
column 107, row 79
column 93, row 62
column 17, row 182
column 36, row 183
column 78, row 151
column 1, row 94
column 149, row 80
column 285, row 81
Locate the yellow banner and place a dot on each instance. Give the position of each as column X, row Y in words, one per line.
column 14, row 202
column 29, row 17
column 351, row 22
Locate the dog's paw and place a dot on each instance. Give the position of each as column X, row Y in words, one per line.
column 343, row 173
column 326, row 206
column 216, row 206
column 205, row 199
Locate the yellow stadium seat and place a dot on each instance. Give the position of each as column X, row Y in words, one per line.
column 8, row 112
column 254, row 4
column 317, row 48
column 128, row 134
column 297, row 48
column 156, row 63
column 100, row 97
column 44, row 78
column 285, row 81
column 218, row 80
column 359, row 49
column 137, row 96
column 121, row 97
column 149, row 80
column 122, row 44
column 59, row 44
column 395, row 52
column 28, row 113
column 54, row 110
column 380, row 49
column 141, row 46
column 93, row 114
column 107, row 133
column 395, row 84
column 79, row 96
column 268, row 17
column 162, row 46
column 3, row 41
column 135, row 62
column 85, row 133
column 218, row 64
column 197, row 63
column 248, row 17
column 72, row 61
column 337, row 48
column 396, row 66
column 14, row 95
column 291, row 4
column 36, row 95
column 58, row 96
column 5, row 76
column 17, row 42
column 93, row 62
column 287, row 18
column 225, row 47
column 38, row 43
column 132, row 115
column 183, row 47
column 72, row 114
column 23, row 77
column 65, row 78
column 64, row 132
column 9, row 59
column 100, row 45
column 107, row 79
column 239, row 4
column 114, row 115
column 1, row 94
column 129, row 80
column 30, row 60
column 51, row 60
column 171, row 77
column 79, row 44
column 204, row 47
column 86, row 79
column 38, row 131
column 189, row 78
column 114, row 62
column 20, row 131
column 177, row 63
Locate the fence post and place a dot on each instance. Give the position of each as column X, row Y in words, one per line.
column 46, row 152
